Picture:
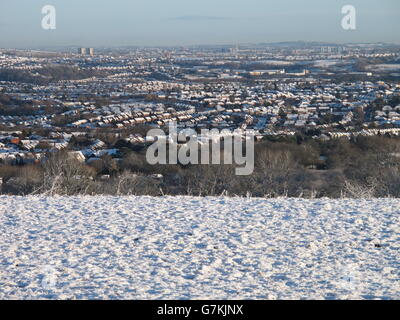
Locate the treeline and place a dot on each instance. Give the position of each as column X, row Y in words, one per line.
column 47, row 74
column 13, row 106
column 361, row 167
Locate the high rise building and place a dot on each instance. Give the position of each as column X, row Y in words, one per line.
column 86, row 51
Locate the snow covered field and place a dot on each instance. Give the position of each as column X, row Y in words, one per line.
column 195, row 248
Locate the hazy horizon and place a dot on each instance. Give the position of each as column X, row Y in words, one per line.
column 186, row 23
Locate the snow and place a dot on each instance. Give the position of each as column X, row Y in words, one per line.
column 198, row 248
column 325, row 63
column 384, row 67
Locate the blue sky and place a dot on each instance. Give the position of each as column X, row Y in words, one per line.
column 188, row 22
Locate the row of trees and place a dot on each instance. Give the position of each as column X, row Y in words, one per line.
column 48, row 74
column 361, row 167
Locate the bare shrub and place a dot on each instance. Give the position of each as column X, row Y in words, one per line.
column 128, row 183
column 356, row 190
column 66, row 176
column 8, row 171
column 25, row 181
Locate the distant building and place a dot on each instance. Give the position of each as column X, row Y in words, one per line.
column 86, row 51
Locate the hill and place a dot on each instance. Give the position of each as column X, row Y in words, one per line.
column 192, row 248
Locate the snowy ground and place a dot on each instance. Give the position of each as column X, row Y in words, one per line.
column 193, row 248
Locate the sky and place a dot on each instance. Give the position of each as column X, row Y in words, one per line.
column 101, row 23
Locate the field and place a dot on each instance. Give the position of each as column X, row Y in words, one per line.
column 198, row 248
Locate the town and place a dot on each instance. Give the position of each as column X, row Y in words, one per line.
column 199, row 153
column 99, row 103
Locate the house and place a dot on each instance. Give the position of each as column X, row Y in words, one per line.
column 76, row 155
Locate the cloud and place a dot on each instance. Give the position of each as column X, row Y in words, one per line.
column 200, row 18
